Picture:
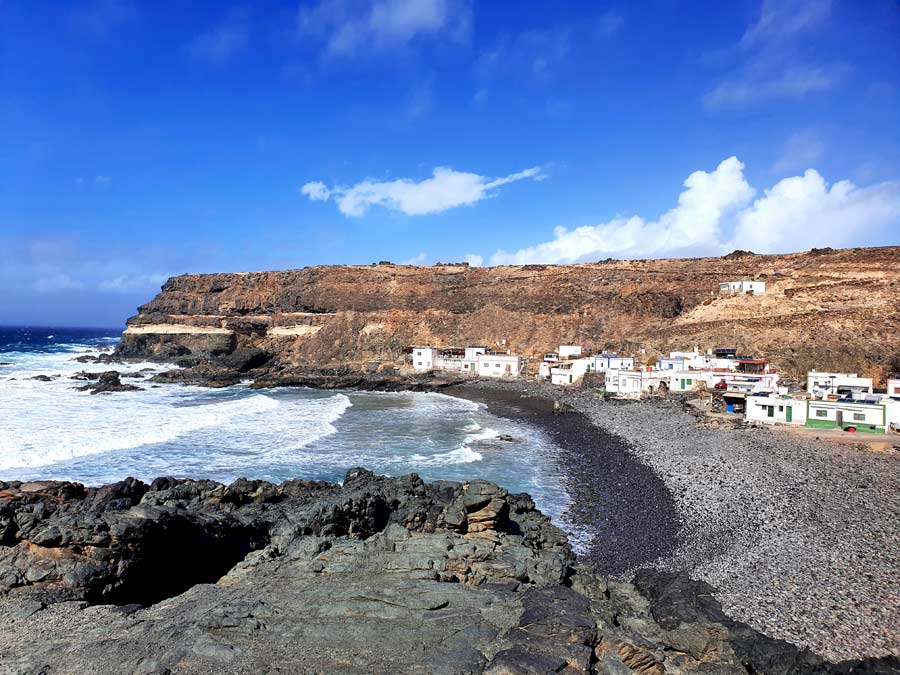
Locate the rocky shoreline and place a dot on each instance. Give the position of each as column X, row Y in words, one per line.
column 800, row 538
column 377, row 575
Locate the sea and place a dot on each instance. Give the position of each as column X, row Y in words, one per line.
column 50, row 430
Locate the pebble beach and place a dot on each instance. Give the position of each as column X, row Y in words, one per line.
column 800, row 537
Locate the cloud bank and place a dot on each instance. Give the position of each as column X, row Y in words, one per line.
column 717, row 213
column 446, row 189
column 350, row 27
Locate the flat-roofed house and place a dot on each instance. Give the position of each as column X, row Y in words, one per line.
column 866, row 415
column 821, row 385
column 423, row 358
column 571, row 372
column 569, row 351
column 605, row 362
column 893, row 385
column 744, row 286
column 775, row 409
column 500, row 365
column 634, row 383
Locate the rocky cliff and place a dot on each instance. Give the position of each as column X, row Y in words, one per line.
column 832, row 309
column 378, row 575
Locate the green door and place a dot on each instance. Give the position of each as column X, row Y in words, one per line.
column 771, row 411
column 789, row 412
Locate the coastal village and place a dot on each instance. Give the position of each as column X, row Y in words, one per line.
column 717, row 380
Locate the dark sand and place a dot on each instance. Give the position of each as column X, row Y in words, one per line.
column 626, row 510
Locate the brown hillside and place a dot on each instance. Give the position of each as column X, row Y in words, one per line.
column 829, row 309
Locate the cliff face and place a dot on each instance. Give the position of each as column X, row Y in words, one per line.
column 826, row 309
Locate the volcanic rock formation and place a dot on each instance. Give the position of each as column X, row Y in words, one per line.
column 379, row 575
column 833, row 310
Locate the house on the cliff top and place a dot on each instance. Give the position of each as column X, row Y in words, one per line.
column 743, row 287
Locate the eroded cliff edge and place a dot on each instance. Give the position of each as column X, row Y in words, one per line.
column 378, row 575
column 825, row 308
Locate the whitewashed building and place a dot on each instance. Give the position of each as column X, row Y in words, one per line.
column 603, row 363
column 500, row 365
column 423, row 358
column 685, row 380
column 893, row 387
column 821, row 385
column 775, row 409
column 672, row 363
column 571, row 372
column 569, row 351
column 634, row 383
column 743, row 286
column 868, row 416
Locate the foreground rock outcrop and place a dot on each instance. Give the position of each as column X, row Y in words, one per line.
column 817, row 311
column 378, row 575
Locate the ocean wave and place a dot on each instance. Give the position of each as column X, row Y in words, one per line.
column 107, row 425
column 462, row 455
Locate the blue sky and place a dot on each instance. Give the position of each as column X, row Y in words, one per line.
column 142, row 139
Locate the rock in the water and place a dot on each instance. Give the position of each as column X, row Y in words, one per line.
column 106, row 383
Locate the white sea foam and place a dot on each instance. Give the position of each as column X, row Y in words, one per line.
column 463, row 455
column 43, row 423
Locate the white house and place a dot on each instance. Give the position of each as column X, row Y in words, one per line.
column 568, row 351
column 500, row 365
column 868, row 416
column 633, row 383
column 692, row 359
column 472, row 353
column 605, row 362
column 743, row 286
column 571, row 372
column 821, row 385
column 685, row 380
column 774, row 409
column 893, row 387
column 672, row 363
column 423, row 358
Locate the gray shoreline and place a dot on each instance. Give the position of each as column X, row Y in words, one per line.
column 801, row 538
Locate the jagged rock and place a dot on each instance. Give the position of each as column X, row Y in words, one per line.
column 206, row 374
column 106, row 383
column 362, row 577
column 42, row 378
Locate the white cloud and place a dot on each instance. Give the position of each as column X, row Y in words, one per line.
column 771, row 61
column 416, row 259
column 316, row 190
column 129, row 283
column 474, row 260
column 714, row 215
column 691, row 224
column 792, row 83
column 801, row 151
column 445, row 189
column 802, row 211
column 534, row 55
column 55, row 282
column 349, row 27
column 220, row 44
column 781, row 19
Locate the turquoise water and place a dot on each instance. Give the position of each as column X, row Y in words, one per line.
column 48, row 430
